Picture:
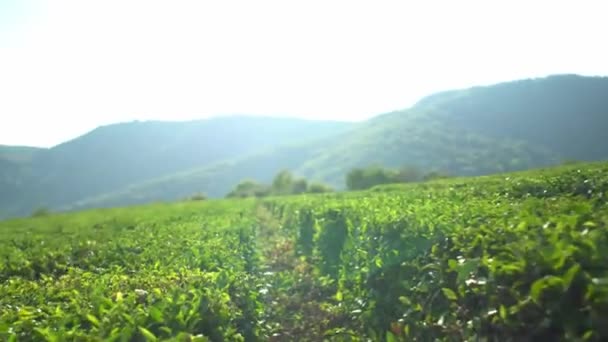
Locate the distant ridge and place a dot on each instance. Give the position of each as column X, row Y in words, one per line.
column 480, row 130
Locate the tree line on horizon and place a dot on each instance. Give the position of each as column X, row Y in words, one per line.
column 285, row 183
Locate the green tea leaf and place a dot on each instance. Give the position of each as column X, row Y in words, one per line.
column 545, row 284
column 148, row 335
column 390, row 337
column 199, row 338
column 46, row 333
column 404, row 300
column 156, row 314
column 588, row 335
column 600, row 281
column 128, row 318
column 93, row 320
column 570, row 275
column 502, row 310
column 449, row 294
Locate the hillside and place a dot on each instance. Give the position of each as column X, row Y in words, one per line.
column 19, row 154
column 114, row 156
column 505, row 127
column 481, row 130
column 15, row 173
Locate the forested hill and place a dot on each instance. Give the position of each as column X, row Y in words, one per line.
column 567, row 114
column 503, row 127
column 15, row 173
column 482, row 130
column 114, row 156
column 117, row 155
column 508, row 126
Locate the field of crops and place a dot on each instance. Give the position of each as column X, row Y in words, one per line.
column 512, row 257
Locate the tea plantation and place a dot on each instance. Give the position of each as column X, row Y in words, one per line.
column 513, row 257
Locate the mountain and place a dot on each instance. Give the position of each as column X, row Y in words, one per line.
column 112, row 157
column 503, row 127
column 15, row 173
column 19, row 154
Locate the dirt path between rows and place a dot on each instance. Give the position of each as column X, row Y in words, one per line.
column 295, row 301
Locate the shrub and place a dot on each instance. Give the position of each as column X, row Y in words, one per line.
column 41, row 212
column 199, row 196
column 316, row 188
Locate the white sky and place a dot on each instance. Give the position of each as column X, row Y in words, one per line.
column 67, row 66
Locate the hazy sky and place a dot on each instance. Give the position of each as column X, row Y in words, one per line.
column 69, row 66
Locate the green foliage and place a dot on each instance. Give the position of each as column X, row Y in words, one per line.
column 317, row 188
column 360, row 179
column 149, row 273
column 284, row 183
column 507, row 257
column 199, row 196
column 571, row 162
column 365, row 178
column 433, row 175
column 299, row 186
column 249, row 188
column 41, row 212
column 408, row 174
